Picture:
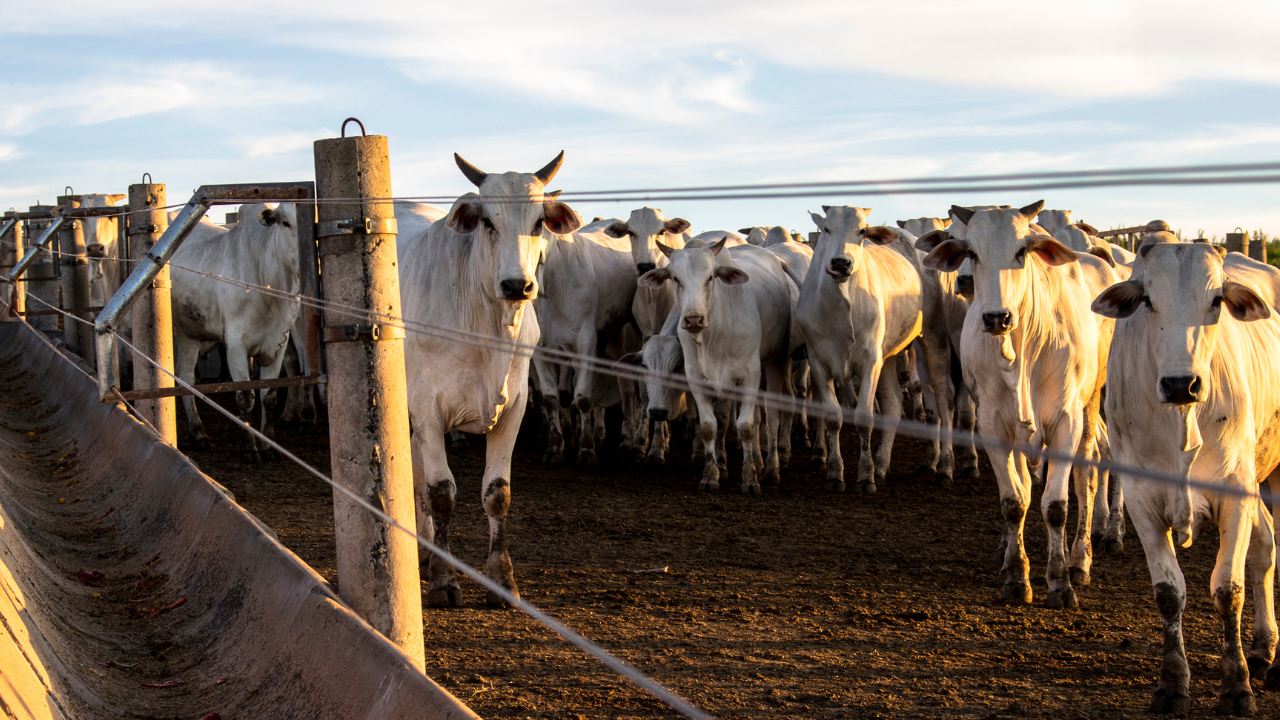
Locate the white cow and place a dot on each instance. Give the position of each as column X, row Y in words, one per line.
column 1192, row 393
column 1036, row 360
column 474, row 271
column 859, row 306
column 1054, row 222
column 263, row 250
column 586, row 298
column 736, row 323
column 101, row 242
column 644, row 229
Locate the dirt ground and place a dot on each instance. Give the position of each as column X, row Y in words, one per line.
column 796, row 603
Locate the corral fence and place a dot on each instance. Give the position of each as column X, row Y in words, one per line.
column 347, row 257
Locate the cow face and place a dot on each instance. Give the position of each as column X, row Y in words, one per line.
column 663, row 360
column 101, row 240
column 1054, row 221
column 999, row 244
column 509, row 216
column 1182, row 290
column 647, row 227
column 696, row 274
column 842, row 235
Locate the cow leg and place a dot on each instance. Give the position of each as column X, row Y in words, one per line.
column 1015, row 497
column 1172, row 695
column 584, row 377
column 238, row 365
column 1067, row 434
column 1235, row 697
column 1108, row 502
column 966, row 418
column 186, row 354
column 723, row 408
column 747, row 427
column 937, row 367
column 800, row 381
column 866, row 405
column 707, row 431
column 434, row 493
column 890, row 397
column 659, row 443
column 827, row 448
column 496, row 496
column 635, row 426
column 268, row 398
column 547, row 378
column 778, row 437
column 909, row 377
column 1261, row 561
column 292, row 412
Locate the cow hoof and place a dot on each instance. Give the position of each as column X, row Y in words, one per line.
column 834, row 486
column 638, row 454
column 773, row 476
column 750, row 489
column 269, row 454
column 1064, row 599
column 553, row 457
column 445, row 596
column 1017, row 593
column 945, row 480
column 1237, row 702
column 1170, row 703
column 708, row 486
column 250, row 457
column 1258, row 667
column 655, row 459
column 806, row 444
column 1273, row 678
column 1111, row 546
column 818, row 463
column 866, row 488
column 586, row 457
column 493, row 600
column 927, row 467
column 1080, row 577
column 784, row 459
column 202, row 444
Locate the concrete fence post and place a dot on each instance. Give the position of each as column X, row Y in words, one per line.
column 74, row 265
column 152, row 315
column 17, row 238
column 41, row 278
column 368, row 402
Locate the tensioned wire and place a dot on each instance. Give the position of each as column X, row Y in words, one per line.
column 609, row 660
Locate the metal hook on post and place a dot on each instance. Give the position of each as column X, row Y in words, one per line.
column 356, row 121
column 146, row 179
column 68, row 191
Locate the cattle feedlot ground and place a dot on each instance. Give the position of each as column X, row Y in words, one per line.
column 796, row 603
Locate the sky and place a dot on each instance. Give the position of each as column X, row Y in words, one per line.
column 653, row 94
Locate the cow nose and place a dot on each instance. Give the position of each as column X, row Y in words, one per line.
column 964, row 285
column 997, row 323
column 516, row 289
column 96, row 250
column 1181, row 389
column 658, row 414
column 643, row 268
column 695, row 323
column 841, row 265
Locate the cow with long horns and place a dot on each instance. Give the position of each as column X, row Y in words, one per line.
column 471, row 275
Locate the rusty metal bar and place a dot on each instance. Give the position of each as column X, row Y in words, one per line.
column 44, row 239
column 212, row 388
column 96, row 308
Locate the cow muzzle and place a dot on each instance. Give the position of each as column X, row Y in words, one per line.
column 840, row 268
column 1181, row 389
column 964, row 286
column 694, row 323
column 997, row 323
column 516, row 289
column 658, row 414
column 95, row 250
column 642, row 268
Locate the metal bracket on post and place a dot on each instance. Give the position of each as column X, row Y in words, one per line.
column 363, row 333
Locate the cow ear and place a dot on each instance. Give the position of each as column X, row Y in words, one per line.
column 675, row 226
column 666, row 250
column 1105, row 254
column 654, row 278
column 880, row 235
column 1032, row 210
column 1120, row 300
column 745, row 231
column 560, row 218
column 1088, row 228
column 817, row 219
column 902, row 224
column 113, row 198
column 268, row 216
column 632, row 358
column 932, row 239
column 616, row 230
column 963, row 214
column 1051, row 251
column 1221, row 250
column 731, row 275
column 464, row 218
column 826, row 208
column 1243, row 303
column 948, row 256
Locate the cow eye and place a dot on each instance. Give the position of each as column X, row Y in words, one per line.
column 286, row 223
column 1217, row 302
column 1147, row 301
column 1021, row 256
column 488, row 224
column 537, row 227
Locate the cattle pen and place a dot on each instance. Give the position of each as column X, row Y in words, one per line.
column 150, row 576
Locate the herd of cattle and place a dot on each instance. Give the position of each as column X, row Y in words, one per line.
column 1015, row 319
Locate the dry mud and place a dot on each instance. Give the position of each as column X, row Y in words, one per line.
column 797, row 603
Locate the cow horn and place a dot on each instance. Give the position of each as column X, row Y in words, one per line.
column 1031, row 210
column 473, row 173
column 550, row 169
